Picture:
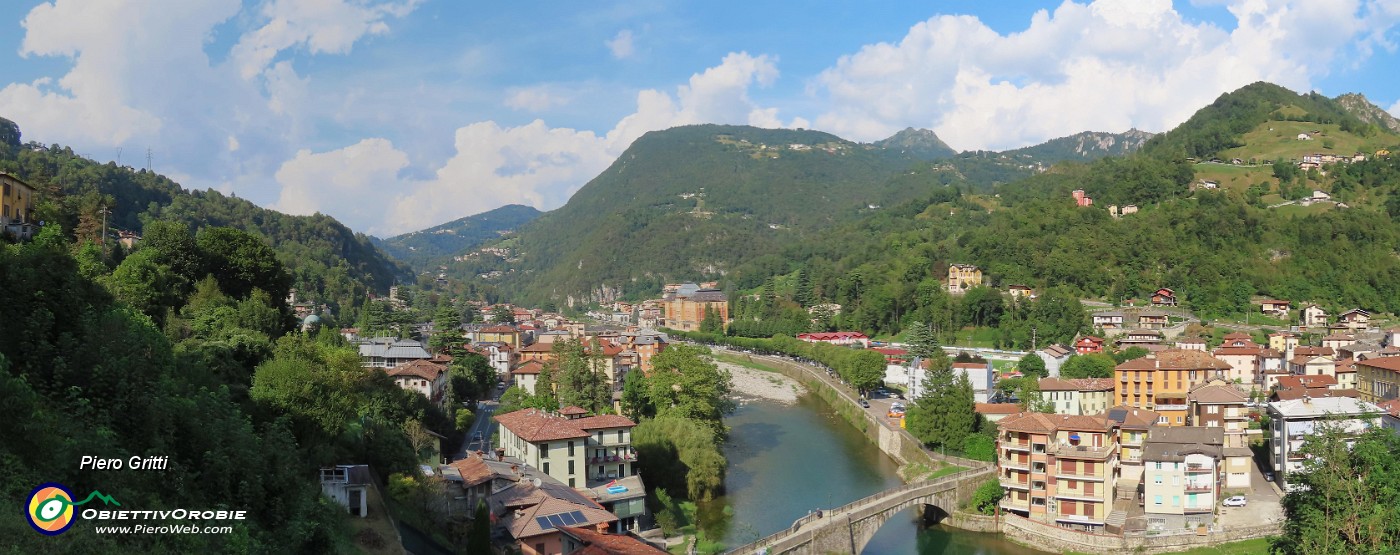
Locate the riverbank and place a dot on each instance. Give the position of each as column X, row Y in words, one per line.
column 750, row 384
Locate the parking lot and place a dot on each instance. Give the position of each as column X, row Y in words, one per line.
column 1263, row 505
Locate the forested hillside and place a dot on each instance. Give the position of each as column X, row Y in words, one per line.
column 328, row 262
column 428, row 248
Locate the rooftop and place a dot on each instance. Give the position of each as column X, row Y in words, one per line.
column 425, row 369
column 1037, row 422
column 598, row 543
column 1176, row 359
column 1317, row 408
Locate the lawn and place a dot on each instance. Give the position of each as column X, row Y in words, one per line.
column 741, row 361
column 946, row 470
column 1278, row 140
column 1236, row 178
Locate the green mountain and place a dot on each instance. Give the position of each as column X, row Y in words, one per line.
column 1089, row 145
column 429, row 247
column 1367, row 112
column 328, row 262
column 921, row 144
column 690, row 203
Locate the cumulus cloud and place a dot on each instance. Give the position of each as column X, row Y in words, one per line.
column 621, row 45
column 531, row 164
column 341, row 182
column 1395, row 109
column 1108, row 65
column 322, row 26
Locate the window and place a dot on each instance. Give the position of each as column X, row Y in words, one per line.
column 571, row 452
column 600, row 470
column 571, row 466
column 545, row 468
column 1156, row 500
column 1157, row 479
column 544, row 452
column 539, row 548
column 1213, row 409
column 1176, row 500
column 1161, row 420
column 1159, row 466
column 1178, row 420
column 1176, row 480
column 571, row 482
column 619, row 436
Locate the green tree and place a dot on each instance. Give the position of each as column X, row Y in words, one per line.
column 172, row 244
column 944, row 415
column 1343, row 501
column 686, row 382
column 1131, row 353
column 867, row 370
column 1032, row 366
column 464, row 419
column 635, row 403
column 710, row 322
column 923, row 344
column 242, row 262
column 146, row 285
column 502, row 314
column 986, row 497
column 479, row 540
column 680, row 455
column 1092, row 365
column 447, row 323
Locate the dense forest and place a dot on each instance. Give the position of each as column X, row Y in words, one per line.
column 327, row 261
column 426, row 249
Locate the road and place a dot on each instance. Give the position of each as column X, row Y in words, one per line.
column 483, row 425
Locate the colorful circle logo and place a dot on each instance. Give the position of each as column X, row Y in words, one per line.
column 50, row 509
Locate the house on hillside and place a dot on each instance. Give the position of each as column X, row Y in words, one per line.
column 1275, row 308
column 1081, row 199
column 1088, row 344
column 1054, row 356
column 1110, row 320
column 1355, row 319
column 1164, row 297
column 1152, row 320
column 962, row 277
column 1313, row 316
column 17, row 207
column 423, row 377
column 1021, row 292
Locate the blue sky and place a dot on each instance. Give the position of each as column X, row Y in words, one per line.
column 395, row 115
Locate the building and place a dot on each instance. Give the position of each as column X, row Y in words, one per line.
column 624, row 497
column 480, row 476
column 1294, row 421
column 1243, row 355
column 1378, row 379
column 1133, row 425
column 1355, row 319
column 1283, row 342
column 1054, row 357
column 526, row 374
column 1088, row 344
column 686, row 309
column 1160, row 381
column 1081, row 199
column 980, row 375
column 1108, row 321
column 962, row 277
column 995, row 412
column 1164, row 297
column 1191, row 344
column 574, row 449
column 348, row 486
column 1218, row 404
column 423, row 377
column 1080, row 396
column 533, row 514
column 1275, row 308
column 16, row 207
column 499, row 333
column 387, row 352
column 1181, row 480
column 1058, row 469
column 1337, row 340
column 1313, row 316
column 844, row 338
column 588, row 541
column 1391, row 419
column 1152, row 320
column 1021, row 292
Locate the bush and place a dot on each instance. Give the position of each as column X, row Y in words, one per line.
column 986, row 498
column 979, row 447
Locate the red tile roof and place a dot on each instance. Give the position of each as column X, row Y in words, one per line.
column 420, row 369
column 1176, row 359
column 1036, row 422
column 1076, row 384
column 531, row 367
column 1391, row 407
column 1306, row 381
column 604, row 421
column 831, row 336
column 1313, row 351
column 539, row 347
column 1383, row 363
column 1313, row 392
column 534, row 425
column 572, row 410
column 598, row 543
column 501, row 328
column 997, row 408
column 473, row 470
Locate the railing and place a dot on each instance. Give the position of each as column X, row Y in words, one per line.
column 1198, row 487
column 1062, row 449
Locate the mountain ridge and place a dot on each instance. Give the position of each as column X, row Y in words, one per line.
column 428, row 246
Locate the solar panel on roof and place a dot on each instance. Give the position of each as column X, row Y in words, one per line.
column 1117, row 414
column 568, row 519
column 556, row 521
column 544, row 523
column 578, row 515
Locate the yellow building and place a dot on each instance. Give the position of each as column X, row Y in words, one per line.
column 499, row 333
column 962, row 277
column 1160, row 381
column 686, row 310
column 16, row 207
column 1378, row 379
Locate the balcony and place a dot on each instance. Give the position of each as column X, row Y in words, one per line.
column 1198, row 488
column 624, row 457
column 1015, row 485
column 1012, row 464
column 1165, row 406
column 1014, row 505
column 1016, row 445
column 1196, row 468
column 1198, row 509
column 1063, row 450
column 1076, row 495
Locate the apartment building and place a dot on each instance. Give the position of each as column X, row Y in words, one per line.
column 1182, row 480
column 1217, row 404
column 1295, row 420
column 1378, row 379
column 1080, row 396
column 1133, row 425
column 576, row 450
column 1160, row 381
column 1058, row 468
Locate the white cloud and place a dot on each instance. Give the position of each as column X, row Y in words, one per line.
column 621, row 45
column 1395, row 109
column 233, row 143
column 1108, row 65
column 349, row 183
column 322, row 26
column 538, row 98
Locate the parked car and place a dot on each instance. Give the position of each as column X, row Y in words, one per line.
column 1236, row 501
column 1268, row 476
column 864, row 404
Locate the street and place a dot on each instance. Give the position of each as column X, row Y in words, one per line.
column 483, row 425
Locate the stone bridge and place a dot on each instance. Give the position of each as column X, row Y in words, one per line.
column 848, row 528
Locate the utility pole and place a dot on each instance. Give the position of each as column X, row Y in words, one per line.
column 148, row 159
column 1032, row 338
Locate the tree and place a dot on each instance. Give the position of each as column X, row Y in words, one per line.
column 242, row 262
column 1131, row 353
column 146, row 285
column 465, row 419
column 447, row 324
column 1029, row 397
column 804, row 294
column 923, row 344
column 479, row 540
column 1032, row 366
column 686, row 382
column 986, row 497
column 944, row 415
column 635, row 403
column 1092, row 365
column 679, row 455
column 1343, row 501
column 502, row 314
column 866, row 370
column 711, row 322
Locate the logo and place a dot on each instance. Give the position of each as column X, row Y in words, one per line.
column 50, row 508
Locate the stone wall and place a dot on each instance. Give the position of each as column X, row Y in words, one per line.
column 973, row 522
column 1053, row 538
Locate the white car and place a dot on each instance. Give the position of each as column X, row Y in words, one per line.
column 1236, row 501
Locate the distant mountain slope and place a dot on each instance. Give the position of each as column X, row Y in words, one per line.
column 1223, row 124
column 692, row 202
column 1367, row 112
column 427, row 246
column 328, row 261
column 921, row 144
column 1088, row 145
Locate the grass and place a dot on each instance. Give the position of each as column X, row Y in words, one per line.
column 946, row 470
column 741, row 361
column 1257, row 546
column 983, row 337
column 1274, row 140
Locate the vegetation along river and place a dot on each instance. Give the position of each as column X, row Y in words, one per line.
column 788, row 459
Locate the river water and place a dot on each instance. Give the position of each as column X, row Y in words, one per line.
column 787, row 460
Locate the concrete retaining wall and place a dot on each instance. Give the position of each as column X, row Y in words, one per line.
column 973, row 522
column 1053, row 538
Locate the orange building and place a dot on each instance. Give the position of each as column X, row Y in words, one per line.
column 1058, row 468
column 1160, row 381
column 685, row 311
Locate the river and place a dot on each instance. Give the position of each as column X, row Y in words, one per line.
column 786, row 460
